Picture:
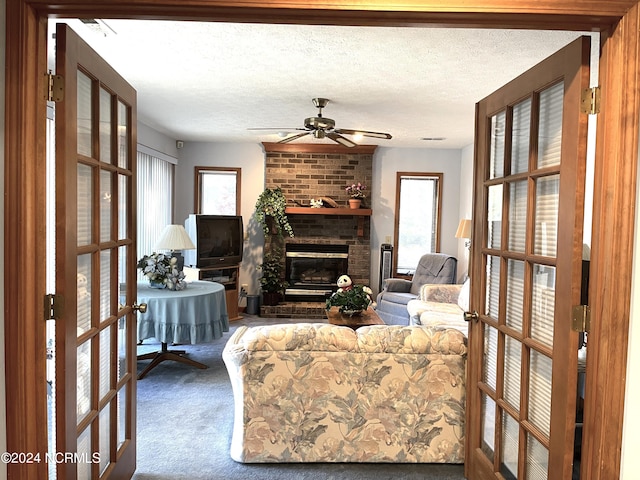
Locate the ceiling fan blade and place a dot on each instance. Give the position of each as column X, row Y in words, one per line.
column 290, row 139
column 364, row 133
column 281, row 129
column 340, row 139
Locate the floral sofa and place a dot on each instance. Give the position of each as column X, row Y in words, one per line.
column 441, row 306
column 314, row 392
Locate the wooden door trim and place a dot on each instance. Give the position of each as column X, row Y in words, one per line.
column 614, row 199
column 612, row 249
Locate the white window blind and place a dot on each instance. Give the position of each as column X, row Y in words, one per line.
column 155, row 200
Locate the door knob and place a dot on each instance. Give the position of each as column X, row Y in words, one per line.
column 468, row 316
column 142, row 308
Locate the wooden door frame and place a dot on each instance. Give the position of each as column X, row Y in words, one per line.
column 614, row 196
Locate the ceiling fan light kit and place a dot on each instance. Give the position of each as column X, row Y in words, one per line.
column 322, row 127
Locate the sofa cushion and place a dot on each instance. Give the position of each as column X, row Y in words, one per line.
column 463, row 297
column 436, row 314
column 398, row 297
column 319, row 337
column 400, row 339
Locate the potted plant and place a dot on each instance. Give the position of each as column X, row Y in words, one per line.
column 356, row 194
column 162, row 271
column 350, row 299
column 270, row 214
column 272, row 283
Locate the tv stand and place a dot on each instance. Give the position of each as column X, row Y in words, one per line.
column 227, row 276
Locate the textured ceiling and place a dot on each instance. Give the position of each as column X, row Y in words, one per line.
column 213, row 81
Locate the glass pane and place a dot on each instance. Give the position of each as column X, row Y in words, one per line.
column 537, row 463
column 417, row 222
column 105, row 361
column 520, row 136
column 218, row 193
column 122, row 416
column 122, row 348
column 550, row 129
column 515, row 294
column 510, row 441
column 85, row 196
column 543, row 303
column 518, row 216
column 493, row 287
column 105, row 432
column 84, row 452
column 496, row 155
column 488, row 426
column 494, row 217
column 123, row 136
column 546, row 220
column 105, row 206
column 122, row 276
column 105, row 126
column 83, row 279
column 540, row 392
column 84, row 379
column 84, row 115
column 123, row 195
column 490, row 357
column 105, row 285
column 512, row 362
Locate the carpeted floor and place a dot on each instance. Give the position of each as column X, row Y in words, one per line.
column 185, row 419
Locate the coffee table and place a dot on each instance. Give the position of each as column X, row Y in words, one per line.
column 367, row 317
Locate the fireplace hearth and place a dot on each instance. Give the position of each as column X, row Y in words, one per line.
column 312, row 270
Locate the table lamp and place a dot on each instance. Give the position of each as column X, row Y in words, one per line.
column 175, row 237
column 464, row 231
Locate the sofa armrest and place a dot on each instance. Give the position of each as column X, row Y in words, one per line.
column 397, row 285
column 440, row 293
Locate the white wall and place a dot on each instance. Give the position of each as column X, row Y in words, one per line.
column 250, row 157
column 466, row 206
column 386, row 162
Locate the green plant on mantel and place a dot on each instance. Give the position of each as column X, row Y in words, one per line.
column 270, row 212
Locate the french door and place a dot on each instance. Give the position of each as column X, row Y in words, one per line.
column 527, row 256
column 95, row 377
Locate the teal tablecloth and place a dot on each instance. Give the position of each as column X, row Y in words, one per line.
column 197, row 314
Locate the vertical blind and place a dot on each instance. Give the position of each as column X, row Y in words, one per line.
column 155, row 200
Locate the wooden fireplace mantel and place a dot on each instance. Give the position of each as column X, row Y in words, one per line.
column 360, row 213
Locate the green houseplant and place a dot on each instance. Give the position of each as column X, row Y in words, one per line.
column 270, row 214
column 272, row 283
column 351, row 301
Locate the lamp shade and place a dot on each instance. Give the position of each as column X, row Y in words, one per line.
column 174, row 237
column 464, row 229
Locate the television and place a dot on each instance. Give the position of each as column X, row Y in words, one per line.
column 218, row 239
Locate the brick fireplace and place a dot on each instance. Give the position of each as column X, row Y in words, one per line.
column 306, row 171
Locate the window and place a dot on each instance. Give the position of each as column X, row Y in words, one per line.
column 417, row 220
column 217, row 190
column 155, row 200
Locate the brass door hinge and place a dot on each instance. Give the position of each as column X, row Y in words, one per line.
column 590, row 103
column 52, row 306
column 55, row 87
column 581, row 318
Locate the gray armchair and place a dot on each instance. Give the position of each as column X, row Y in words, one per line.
column 396, row 293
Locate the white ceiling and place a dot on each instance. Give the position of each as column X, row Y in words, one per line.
column 212, row 81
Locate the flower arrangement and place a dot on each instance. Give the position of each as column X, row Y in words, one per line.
column 356, row 190
column 163, row 270
column 350, row 299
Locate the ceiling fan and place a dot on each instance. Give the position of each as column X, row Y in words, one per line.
column 321, row 127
